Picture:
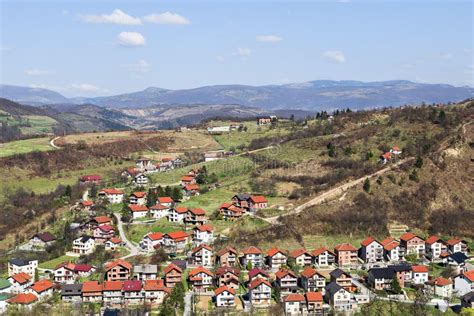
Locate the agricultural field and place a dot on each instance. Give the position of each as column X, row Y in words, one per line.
column 30, row 124
column 25, row 146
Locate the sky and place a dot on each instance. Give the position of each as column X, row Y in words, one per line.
column 92, row 48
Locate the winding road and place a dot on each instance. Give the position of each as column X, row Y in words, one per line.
column 51, row 142
column 134, row 250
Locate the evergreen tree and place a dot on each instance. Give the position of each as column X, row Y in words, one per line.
column 168, row 191
column 93, row 191
column 419, row 162
column 249, row 266
column 151, row 198
column 177, row 194
column 367, row 185
column 396, row 286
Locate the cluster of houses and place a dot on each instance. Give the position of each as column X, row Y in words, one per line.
column 390, row 155
column 242, row 204
column 145, row 166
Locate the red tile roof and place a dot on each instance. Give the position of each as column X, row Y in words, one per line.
column 258, row 199
column 440, row 281
column 387, row 240
column 191, row 187
column 198, row 211
column 181, row 209
column 256, row 271
column 155, row 236
column 165, row 199
column 204, row 228
column 91, row 177
column 252, row 251
column 132, row 285
column 391, row 245
column 223, row 270
column 118, row 262
column 112, row 191
column 314, row 296
column 199, row 270
column 42, row 285
column 431, row 240
column 225, row 205
column 308, row 272
column 179, row 235
column 196, row 249
column 137, row 208
column 298, row 252
column 106, row 228
column 225, row 250
column 23, row 298
column 283, row 273
column 419, row 269
column 154, row 285
column 83, row 267
column 87, row 203
column 257, row 281
column 273, row 251
column 159, row 207
column 21, row 277
column 67, row 265
column 407, row 236
column 223, row 289
column 139, row 195
column 453, row 241
column 115, row 240
column 172, row 267
column 294, row 297
column 187, row 179
column 345, row 247
column 102, row 219
column 317, row 252
column 91, row 286
column 387, row 155
column 112, row 285
column 469, row 275
column 367, row 241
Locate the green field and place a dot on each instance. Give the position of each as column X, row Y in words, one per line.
column 25, row 146
column 51, row 264
column 30, row 124
column 135, row 232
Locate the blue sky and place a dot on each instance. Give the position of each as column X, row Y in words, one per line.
column 91, row 48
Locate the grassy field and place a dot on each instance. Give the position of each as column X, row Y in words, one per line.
column 51, row 264
column 38, row 124
column 25, row 146
column 136, row 232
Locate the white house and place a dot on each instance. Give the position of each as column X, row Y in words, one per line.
column 200, row 279
column 419, row 274
column 138, row 198
column 464, row 283
column 42, row 289
column 441, row 287
column 145, row 272
column 20, row 282
column 371, row 250
column 392, row 250
column 138, row 211
column 260, row 292
column 434, row 247
column 16, row 266
column 294, row 304
column 64, row 273
column 254, row 256
column 140, row 179
column 339, row 298
column 159, row 211
column 155, row 291
column 83, row 245
column 114, row 196
column 203, row 235
column 150, row 241
column 176, row 214
column 202, row 255
column 113, row 243
column 166, row 201
column 224, row 297
column 323, row 257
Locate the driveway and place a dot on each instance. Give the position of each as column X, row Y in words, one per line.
column 134, row 250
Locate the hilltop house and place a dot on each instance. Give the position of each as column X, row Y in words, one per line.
column 287, row 281
column 434, row 246
column 258, row 273
column 346, row 255
column 260, row 292
column 42, row 289
column 118, row 270
column 159, row 211
column 16, row 266
column 166, row 201
column 339, row 298
column 172, row 275
column 83, row 245
column 302, row 257
column 343, row 279
column 103, row 233
column 114, row 196
column 252, row 255
column 419, row 274
column 392, row 250
column 323, row 257
column 144, row 272
column 20, row 282
column 138, row 211
column 230, row 211
column 175, row 241
column 113, row 243
column 195, row 216
column 464, row 283
column 177, row 214
column 191, row 189
column 203, row 235
column 90, row 179
column 200, row 279
column 312, row 280
column 412, row 244
column 42, row 240
column 151, row 241
column 457, row 245
column 140, row 179
column 440, row 287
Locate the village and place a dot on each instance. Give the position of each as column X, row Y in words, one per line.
column 188, row 258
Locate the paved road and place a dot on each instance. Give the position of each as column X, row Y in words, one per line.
column 51, row 142
column 335, row 192
column 134, row 250
column 188, row 298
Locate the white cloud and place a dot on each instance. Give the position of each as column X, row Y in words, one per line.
column 131, row 39
column 269, row 38
column 166, row 18
column 220, row 59
column 116, row 17
column 85, row 87
column 45, row 86
column 36, row 72
column 335, row 56
column 243, row 51
column 141, row 66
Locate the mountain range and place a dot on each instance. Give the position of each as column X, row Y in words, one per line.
column 310, row 96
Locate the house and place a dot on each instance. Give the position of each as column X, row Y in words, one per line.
column 314, row 302
column 177, row 214
column 118, row 270
column 260, row 293
column 266, row 120
column 434, row 246
column 276, row 258
column 145, row 164
column 440, row 287
column 71, row 293
column 173, row 275
column 138, row 211
column 42, row 240
column 457, row 245
column 139, row 198
column 166, row 201
column 91, row 292
column 228, row 276
column 140, row 179
column 419, row 274
column 396, row 151
column 175, row 241
column 464, row 283
column 24, row 299
column 252, row 256
column 381, row 278
column 113, row 243
column 155, row 291
column 86, row 205
column 323, row 257
column 144, row 272
column 230, row 211
column 187, row 180
column 195, row 216
column 114, row 196
column 258, row 273
column 242, row 200
column 64, row 273
column 456, row 260
column 112, row 293
column 312, row 281
column 200, row 279
column 258, row 202
column 90, row 179
column 385, row 157
column 20, row 282
column 339, row 298
column 100, row 220
column 203, row 235
column 83, row 245
column 467, row 300
column 371, row 250
column 132, row 292
column 224, row 296
column 202, row 255
column 302, row 257
column 42, row 289
column 227, row 257
column 412, row 244
column 159, row 211
column 191, row 189
column 294, row 304
column 83, row 269
column 287, row 281
column 343, row 279
column 151, row 241
column 103, row 233
column 16, row 266
column 392, row 250
column 346, row 255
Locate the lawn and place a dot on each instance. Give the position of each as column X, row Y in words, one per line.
column 51, row 264
column 135, row 232
column 39, row 124
column 25, row 146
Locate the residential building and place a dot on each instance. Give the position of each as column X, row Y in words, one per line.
column 172, row 275
column 392, row 250
column 314, row 302
column 42, row 289
column 20, row 282
column 151, row 241
column 16, row 266
column 83, row 245
column 339, row 298
column 294, row 304
column 346, row 255
column 64, row 273
column 191, row 189
column 112, row 293
column 159, row 211
column 371, row 250
column 412, row 244
column 103, row 233
column 118, row 270
column 258, row 202
column 114, row 196
column 23, row 299
column 138, row 211
column 287, row 281
column 166, row 201
column 71, row 293
column 144, row 272
column 92, row 178
column 203, row 235
column 276, row 258
column 457, row 245
column 140, row 179
column 138, row 198
column 175, row 241
column 202, row 255
column 419, row 274
column 155, row 291
column 113, row 243
column 100, row 220
column 440, row 287
column 132, row 292
column 260, row 293
column 195, row 216
column 343, row 279
column 228, row 276
column 42, row 240
column 227, row 257
column 464, row 283
column 312, row 280
column 91, row 292
column 323, row 257
column 467, row 300
column 434, row 246
column 302, row 257
column 381, row 278
column 252, row 255
column 176, row 214
column 200, row 279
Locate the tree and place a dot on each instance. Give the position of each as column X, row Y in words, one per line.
column 419, row 162
column 442, row 118
column 331, row 150
column 176, row 299
column 379, row 180
column 68, row 191
column 368, row 155
column 166, row 309
column 396, row 288
column 177, row 194
column 367, row 185
column 414, row 176
column 151, row 198
column 93, row 191
column 249, row 266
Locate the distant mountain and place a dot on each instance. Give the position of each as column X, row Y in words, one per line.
column 312, row 95
column 32, row 96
